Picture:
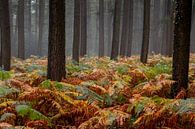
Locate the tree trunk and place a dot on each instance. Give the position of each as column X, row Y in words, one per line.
column 116, row 30
column 76, row 39
column 56, row 51
column 29, row 27
column 125, row 27
column 101, row 28
column 36, row 26
column 146, row 32
column 6, row 42
column 21, row 48
column 130, row 33
column 41, row 24
column 170, row 26
column 83, row 50
column 156, row 27
column 182, row 29
column 1, row 24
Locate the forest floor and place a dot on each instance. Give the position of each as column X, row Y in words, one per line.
column 97, row 94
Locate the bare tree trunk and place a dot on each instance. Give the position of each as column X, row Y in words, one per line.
column 1, row 25
column 156, row 27
column 170, row 26
column 116, row 30
column 76, row 39
column 101, row 28
column 146, row 32
column 125, row 27
column 182, row 29
column 41, row 24
column 29, row 27
column 193, row 13
column 56, row 52
column 36, row 25
column 21, row 48
column 83, row 50
column 130, row 34
column 6, row 42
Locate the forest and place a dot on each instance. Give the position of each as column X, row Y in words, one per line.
column 97, row 64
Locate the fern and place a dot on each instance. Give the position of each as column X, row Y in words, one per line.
column 4, row 75
column 88, row 94
column 32, row 114
column 6, row 116
column 4, row 91
column 157, row 69
column 122, row 69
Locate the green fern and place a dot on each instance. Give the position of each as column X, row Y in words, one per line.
column 4, row 91
column 6, row 116
column 32, row 114
column 4, row 75
column 157, row 69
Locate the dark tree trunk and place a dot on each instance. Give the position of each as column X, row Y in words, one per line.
column 182, row 29
column 101, row 28
column 41, row 24
column 6, row 42
column 193, row 13
column 83, row 50
column 21, row 48
column 116, row 30
column 125, row 27
column 169, row 30
column 146, row 32
column 29, row 27
column 36, row 26
column 130, row 34
column 156, row 27
column 56, row 51
column 1, row 24
column 76, row 39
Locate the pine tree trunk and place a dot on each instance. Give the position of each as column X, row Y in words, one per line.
column 146, row 32
column 182, row 29
column 21, row 48
column 6, row 41
column 1, row 24
column 29, row 27
column 170, row 26
column 125, row 27
column 76, row 39
column 56, row 48
column 130, row 33
column 101, row 28
column 83, row 50
column 41, row 24
column 116, row 30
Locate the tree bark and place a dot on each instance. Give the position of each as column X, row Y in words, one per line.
column 125, row 27
column 76, row 38
column 130, row 34
column 116, row 30
column 83, row 50
column 6, row 41
column 56, row 51
column 29, row 27
column 182, row 22
column 101, row 28
column 146, row 32
column 21, row 48
column 170, row 26
column 1, row 24
column 41, row 25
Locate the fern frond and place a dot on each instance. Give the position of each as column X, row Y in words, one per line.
column 32, row 114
